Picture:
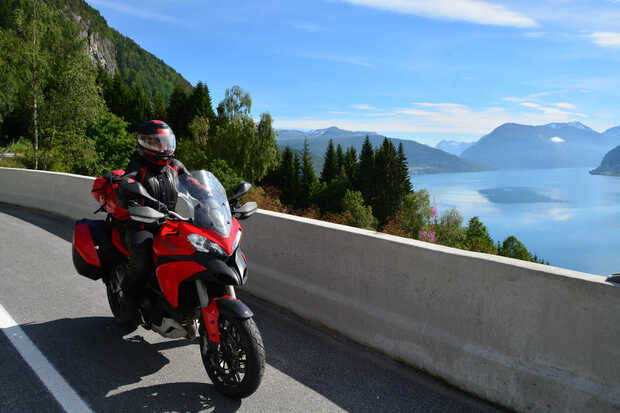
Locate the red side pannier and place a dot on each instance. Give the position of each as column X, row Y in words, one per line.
column 104, row 192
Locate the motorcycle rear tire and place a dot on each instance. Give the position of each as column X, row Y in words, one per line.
column 126, row 318
column 240, row 336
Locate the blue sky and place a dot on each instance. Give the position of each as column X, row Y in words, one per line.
column 418, row 69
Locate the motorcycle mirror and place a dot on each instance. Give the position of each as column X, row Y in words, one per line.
column 245, row 210
column 145, row 214
column 614, row 278
column 241, row 189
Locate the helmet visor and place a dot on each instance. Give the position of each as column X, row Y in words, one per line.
column 163, row 143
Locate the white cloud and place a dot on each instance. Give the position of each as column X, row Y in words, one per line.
column 364, row 107
column 553, row 111
column 439, row 118
column 473, row 11
column 336, row 112
column 132, row 11
column 533, row 96
column 565, row 105
column 557, row 139
column 606, row 39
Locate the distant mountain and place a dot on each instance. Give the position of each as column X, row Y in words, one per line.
column 423, row 159
column 453, row 147
column 613, row 132
column 555, row 145
column 330, row 133
column 611, row 162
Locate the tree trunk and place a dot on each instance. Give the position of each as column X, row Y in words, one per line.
column 34, row 89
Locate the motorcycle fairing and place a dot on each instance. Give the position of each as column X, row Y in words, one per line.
column 172, row 274
column 174, row 270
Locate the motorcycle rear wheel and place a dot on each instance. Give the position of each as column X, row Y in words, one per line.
column 126, row 314
column 236, row 364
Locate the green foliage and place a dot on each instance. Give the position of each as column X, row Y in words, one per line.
column 416, row 212
column 450, row 231
column 137, row 66
column 55, row 86
column 350, row 165
column 366, row 172
column 513, row 248
column 69, row 152
column 114, row 146
column 331, row 168
column 289, row 177
column 361, row 214
column 200, row 103
column 224, row 173
column 477, row 237
column 329, row 196
column 309, row 184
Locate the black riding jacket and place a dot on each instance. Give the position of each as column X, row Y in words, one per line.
column 159, row 180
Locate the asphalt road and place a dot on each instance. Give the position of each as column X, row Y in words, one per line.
column 67, row 318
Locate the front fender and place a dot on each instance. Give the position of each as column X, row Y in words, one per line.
column 233, row 308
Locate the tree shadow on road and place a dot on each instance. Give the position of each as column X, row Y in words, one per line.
column 96, row 360
column 54, row 224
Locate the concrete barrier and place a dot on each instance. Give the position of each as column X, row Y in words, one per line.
column 524, row 335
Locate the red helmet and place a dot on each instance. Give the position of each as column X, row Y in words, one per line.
column 156, row 142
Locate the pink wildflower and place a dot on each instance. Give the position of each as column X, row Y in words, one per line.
column 434, row 211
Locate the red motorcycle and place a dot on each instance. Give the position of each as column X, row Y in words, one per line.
column 198, row 261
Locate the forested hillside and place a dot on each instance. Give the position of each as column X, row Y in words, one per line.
column 610, row 165
column 110, row 49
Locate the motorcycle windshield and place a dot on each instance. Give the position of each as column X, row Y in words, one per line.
column 207, row 201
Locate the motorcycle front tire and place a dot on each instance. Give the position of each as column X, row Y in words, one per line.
column 240, row 351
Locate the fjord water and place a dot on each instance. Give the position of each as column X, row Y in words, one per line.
column 566, row 216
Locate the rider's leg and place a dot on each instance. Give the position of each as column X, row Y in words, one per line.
column 140, row 265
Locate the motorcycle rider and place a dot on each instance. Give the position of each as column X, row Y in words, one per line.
column 158, row 171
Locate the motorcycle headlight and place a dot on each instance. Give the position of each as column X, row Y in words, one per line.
column 206, row 245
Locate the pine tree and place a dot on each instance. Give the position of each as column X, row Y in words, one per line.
column 286, row 176
column 309, row 181
column 340, row 157
column 403, row 171
column 159, row 108
column 477, row 237
column 199, row 103
column 296, row 179
column 366, row 172
column 140, row 110
column 350, row 165
column 178, row 111
column 388, row 198
column 330, row 165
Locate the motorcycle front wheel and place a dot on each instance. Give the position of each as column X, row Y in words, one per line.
column 236, row 364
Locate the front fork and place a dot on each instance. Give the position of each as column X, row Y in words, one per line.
column 210, row 312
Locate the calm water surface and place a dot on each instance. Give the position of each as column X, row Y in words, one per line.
column 566, row 216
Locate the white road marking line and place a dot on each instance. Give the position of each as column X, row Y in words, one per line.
column 55, row 383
